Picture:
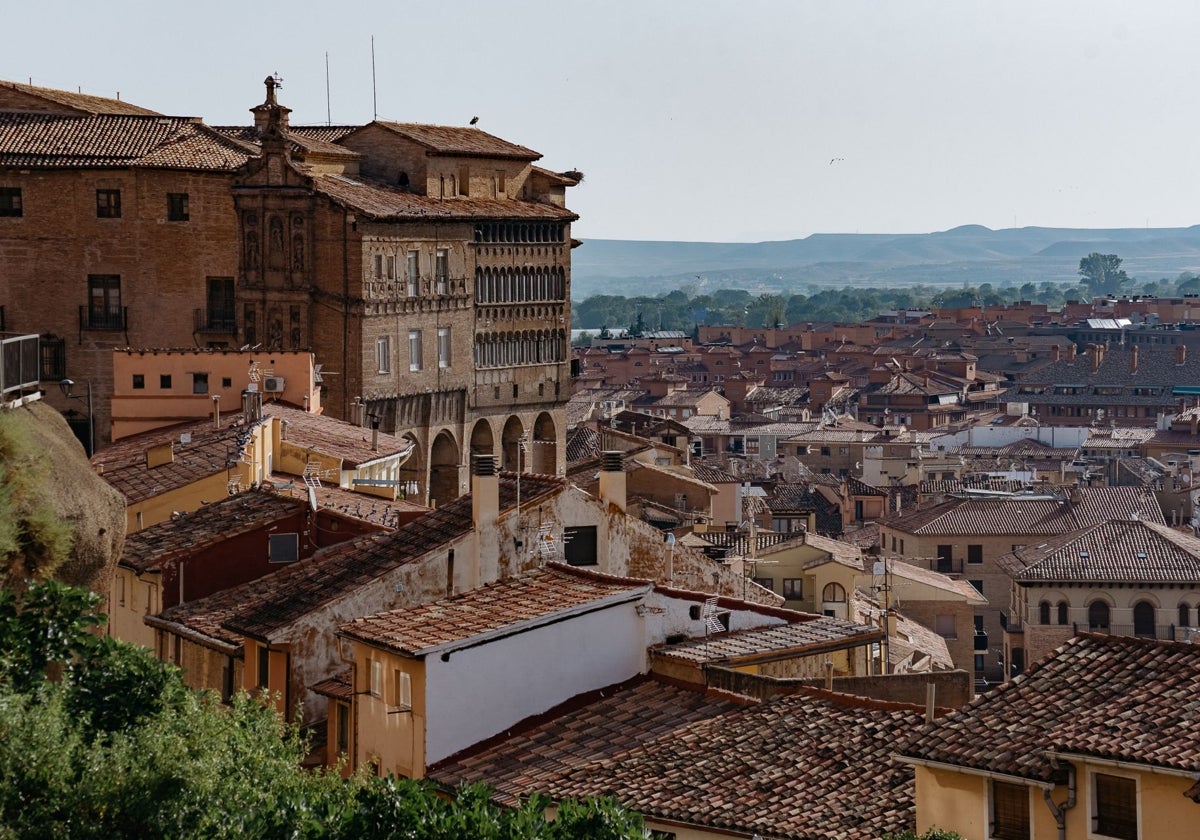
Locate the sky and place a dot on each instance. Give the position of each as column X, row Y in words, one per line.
column 707, row 121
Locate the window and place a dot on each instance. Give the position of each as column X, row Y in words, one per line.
column 1143, row 619
column 793, row 589
column 226, row 382
column 945, row 626
column 443, row 337
column 1010, row 811
column 974, row 553
column 139, row 381
column 219, row 300
column 120, row 582
column 343, row 727
column 177, row 207
column 104, row 302
column 401, row 689
column 264, row 666
column 414, row 349
column 765, row 582
column 1098, row 615
column 376, row 677
column 378, row 267
column 978, row 584
column 164, row 381
column 579, row 545
column 1044, row 612
column 199, row 383
column 54, row 358
column 1114, row 806
column 10, row 201
column 383, row 354
column 833, row 593
column 1062, row 612
column 414, row 272
column 391, row 266
column 1184, row 615
column 825, row 451
column 283, row 548
column 108, row 204
column 441, row 271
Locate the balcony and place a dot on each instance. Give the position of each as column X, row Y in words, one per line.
column 1166, row 632
column 981, row 642
column 215, row 321
column 20, row 362
column 103, row 319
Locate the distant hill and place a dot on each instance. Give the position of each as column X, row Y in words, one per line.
column 968, row 254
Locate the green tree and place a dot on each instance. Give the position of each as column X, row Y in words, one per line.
column 1102, row 273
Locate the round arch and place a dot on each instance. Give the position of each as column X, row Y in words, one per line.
column 482, row 440
column 444, row 467
column 1144, row 615
column 510, row 445
column 544, row 457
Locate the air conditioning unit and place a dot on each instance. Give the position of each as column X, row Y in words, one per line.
column 273, row 384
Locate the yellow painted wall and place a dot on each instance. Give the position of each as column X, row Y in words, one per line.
column 130, row 598
column 395, row 739
column 950, row 800
column 188, row 498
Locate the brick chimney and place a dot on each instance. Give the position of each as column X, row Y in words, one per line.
column 1072, row 352
column 1180, row 354
column 1133, row 359
column 612, row 480
column 1056, row 353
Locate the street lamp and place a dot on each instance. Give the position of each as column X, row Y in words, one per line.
column 66, row 385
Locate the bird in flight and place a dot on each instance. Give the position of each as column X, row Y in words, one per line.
column 832, row 161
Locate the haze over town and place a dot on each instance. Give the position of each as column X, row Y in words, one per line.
column 711, row 121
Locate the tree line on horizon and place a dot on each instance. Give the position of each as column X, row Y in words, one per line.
column 684, row 309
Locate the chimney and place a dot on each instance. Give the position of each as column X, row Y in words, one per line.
column 1072, row 352
column 1056, row 353
column 216, row 411
column 1133, row 359
column 485, row 490
column 612, row 480
column 1180, row 354
column 251, row 406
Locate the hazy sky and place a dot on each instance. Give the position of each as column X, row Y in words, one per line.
column 705, row 120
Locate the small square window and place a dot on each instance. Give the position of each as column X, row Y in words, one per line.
column 10, row 201
column 164, row 381
column 139, row 381
column 177, row 207
column 793, row 589
column 108, row 204
column 226, row 382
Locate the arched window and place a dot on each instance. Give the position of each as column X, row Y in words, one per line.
column 833, row 593
column 1044, row 612
column 1143, row 619
column 1098, row 616
column 1062, row 612
column 1185, row 615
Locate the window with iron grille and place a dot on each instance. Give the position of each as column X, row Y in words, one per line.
column 54, row 358
column 1115, row 806
column 1010, row 811
column 104, row 302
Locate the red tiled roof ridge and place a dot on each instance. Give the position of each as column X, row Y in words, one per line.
column 792, row 616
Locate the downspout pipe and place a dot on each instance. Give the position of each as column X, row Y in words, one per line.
column 1060, row 811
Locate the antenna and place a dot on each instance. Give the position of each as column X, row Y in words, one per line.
column 328, row 113
column 374, row 96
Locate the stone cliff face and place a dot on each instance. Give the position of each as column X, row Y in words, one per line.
column 58, row 519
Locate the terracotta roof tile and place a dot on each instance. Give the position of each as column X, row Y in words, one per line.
column 302, row 587
column 587, row 728
column 491, row 609
column 1118, row 698
column 459, row 140
column 799, row 638
column 80, row 101
column 339, row 687
column 737, row 771
column 1116, row 551
column 381, row 201
column 336, row 438
column 49, row 140
column 1027, row 515
column 210, row 525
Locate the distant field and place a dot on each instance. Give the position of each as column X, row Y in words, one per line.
column 969, row 255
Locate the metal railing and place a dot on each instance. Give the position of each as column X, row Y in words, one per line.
column 1167, row 632
column 20, row 365
column 103, row 319
column 215, row 321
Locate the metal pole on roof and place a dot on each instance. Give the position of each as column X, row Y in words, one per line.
column 374, row 96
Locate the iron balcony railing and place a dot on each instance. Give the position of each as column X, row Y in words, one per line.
column 215, row 321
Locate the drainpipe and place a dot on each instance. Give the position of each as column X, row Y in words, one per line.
column 1060, row 811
